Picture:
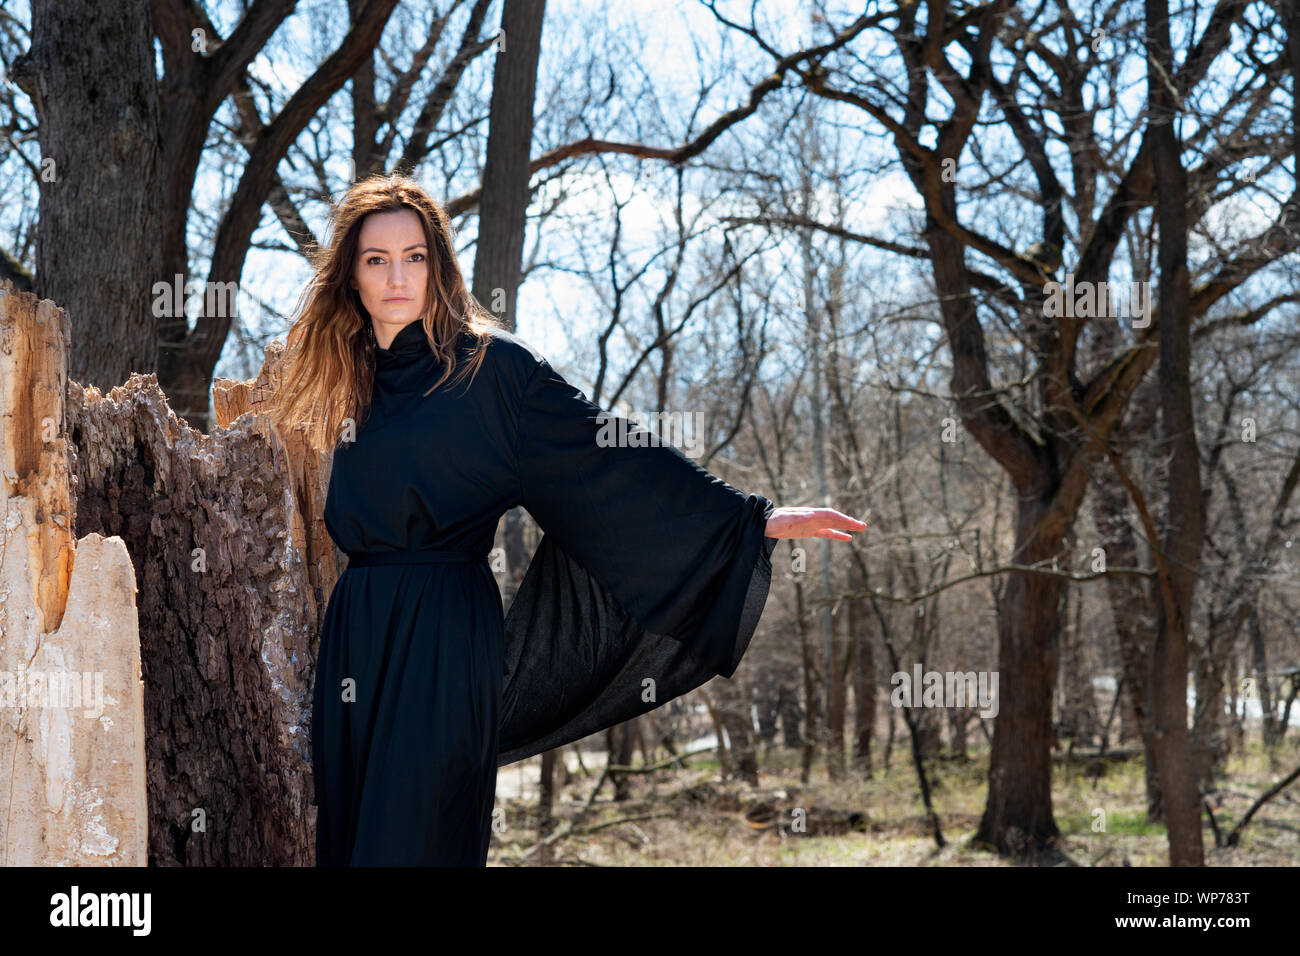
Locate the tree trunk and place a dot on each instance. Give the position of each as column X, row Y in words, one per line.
column 719, row 731
column 812, row 709
column 1263, row 686
column 767, row 702
column 90, row 75
column 843, row 627
column 231, row 582
column 619, row 741
column 1018, row 816
column 1209, row 729
column 1079, row 719
column 837, row 711
column 546, row 803
column 1185, row 517
column 226, row 538
column 792, row 715
column 864, row 674
column 72, row 740
column 957, row 732
column 503, row 207
column 733, row 710
column 1130, row 597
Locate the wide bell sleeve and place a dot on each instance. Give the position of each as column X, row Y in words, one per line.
column 649, row 579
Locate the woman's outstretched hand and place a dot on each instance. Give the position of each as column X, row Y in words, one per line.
column 811, row 523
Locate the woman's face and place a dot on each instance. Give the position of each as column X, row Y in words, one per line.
column 392, row 271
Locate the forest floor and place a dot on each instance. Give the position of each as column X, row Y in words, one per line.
column 694, row 817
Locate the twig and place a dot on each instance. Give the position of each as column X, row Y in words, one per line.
column 1235, row 836
column 988, row 572
column 621, row 768
column 1214, row 823
column 570, row 826
column 621, row 820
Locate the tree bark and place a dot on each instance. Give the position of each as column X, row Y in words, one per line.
column 812, row 700
column 1130, row 598
column 1185, row 518
column 864, row 673
column 732, row 703
column 234, row 580
column 90, row 75
column 1079, row 720
column 1018, row 817
column 1263, row 685
column 503, row 207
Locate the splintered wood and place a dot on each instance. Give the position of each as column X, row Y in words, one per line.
column 72, row 746
column 234, row 570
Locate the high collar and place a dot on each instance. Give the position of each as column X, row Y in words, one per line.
column 409, row 345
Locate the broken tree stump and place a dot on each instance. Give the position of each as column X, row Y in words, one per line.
column 72, row 756
column 233, row 573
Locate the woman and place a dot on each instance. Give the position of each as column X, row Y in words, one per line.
column 649, row 579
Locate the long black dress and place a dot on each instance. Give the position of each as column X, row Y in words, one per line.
column 649, row 580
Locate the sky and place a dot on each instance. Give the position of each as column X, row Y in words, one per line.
column 556, row 309
column 670, row 48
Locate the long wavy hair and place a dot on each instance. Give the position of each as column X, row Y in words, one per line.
column 325, row 377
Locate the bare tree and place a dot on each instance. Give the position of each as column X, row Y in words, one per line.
column 1048, row 430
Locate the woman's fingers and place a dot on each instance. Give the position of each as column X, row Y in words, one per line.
column 836, row 519
column 828, row 523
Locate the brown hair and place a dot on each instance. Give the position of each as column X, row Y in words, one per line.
column 327, row 372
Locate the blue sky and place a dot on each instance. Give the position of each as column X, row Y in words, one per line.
column 649, row 46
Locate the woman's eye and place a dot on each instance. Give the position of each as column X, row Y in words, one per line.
column 378, row 260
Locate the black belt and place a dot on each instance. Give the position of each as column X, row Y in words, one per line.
column 361, row 559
